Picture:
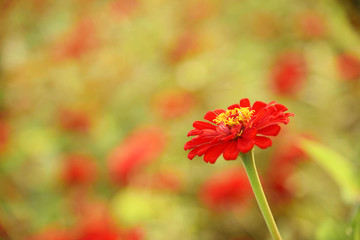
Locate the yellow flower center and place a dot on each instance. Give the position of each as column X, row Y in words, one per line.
column 235, row 116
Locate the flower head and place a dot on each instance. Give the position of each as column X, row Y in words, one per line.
column 348, row 66
column 137, row 151
column 78, row 170
column 236, row 130
column 288, row 73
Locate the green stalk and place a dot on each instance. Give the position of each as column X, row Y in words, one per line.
column 250, row 167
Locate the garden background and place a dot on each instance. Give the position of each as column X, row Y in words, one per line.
column 97, row 97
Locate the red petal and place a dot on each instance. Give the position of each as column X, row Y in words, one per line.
column 249, row 133
column 258, row 105
column 218, row 111
column 263, row 142
column 198, row 151
column 193, row 132
column 211, row 115
column 192, row 153
column 272, row 130
column 244, row 144
column 197, row 141
column 244, row 102
column 214, row 152
column 280, row 107
column 259, row 115
column 234, row 106
column 203, row 125
column 231, row 152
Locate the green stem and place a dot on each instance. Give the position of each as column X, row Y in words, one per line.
column 250, row 167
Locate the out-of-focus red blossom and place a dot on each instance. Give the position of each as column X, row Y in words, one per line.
column 288, row 73
column 138, row 150
column 74, row 121
column 4, row 134
column 133, row 234
column 81, row 39
column 52, row 233
column 236, row 130
column 97, row 229
column 78, row 170
column 348, row 66
column 282, row 166
column 312, row 25
column 123, row 8
column 3, row 233
column 95, row 223
column 172, row 104
column 186, row 45
column 226, row 190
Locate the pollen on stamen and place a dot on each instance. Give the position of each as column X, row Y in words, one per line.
column 235, row 116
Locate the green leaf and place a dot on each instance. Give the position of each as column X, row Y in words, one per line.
column 337, row 166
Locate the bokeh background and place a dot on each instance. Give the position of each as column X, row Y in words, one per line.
column 97, row 98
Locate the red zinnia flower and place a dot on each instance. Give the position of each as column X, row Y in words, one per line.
column 4, row 134
column 74, row 121
column 187, row 45
column 78, row 170
column 348, row 66
column 282, row 167
column 312, row 25
column 236, row 130
column 79, row 40
column 288, row 73
column 226, row 190
column 137, row 151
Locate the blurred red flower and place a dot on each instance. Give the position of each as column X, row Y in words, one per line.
column 281, row 168
column 4, row 134
column 237, row 129
column 311, row 25
column 3, row 232
column 95, row 223
column 226, row 190
column 133, row 234
column 348, row 66
column 74, row 120
column 138, row 150
column 186, row 45
column 97, row 229
column 288, row 73
column 80, row 39
column 171, row 104
column 78, row 170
